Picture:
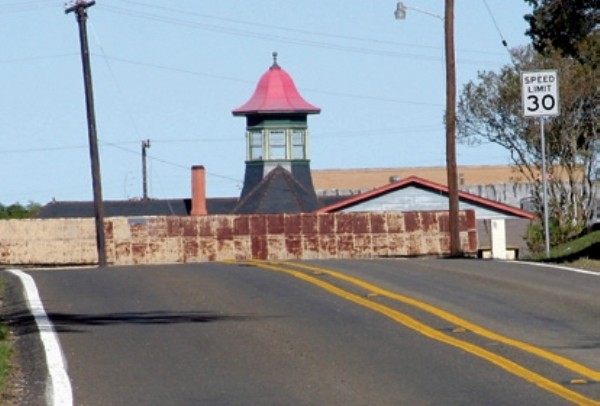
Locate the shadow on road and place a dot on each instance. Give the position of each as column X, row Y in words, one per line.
column 22, row 322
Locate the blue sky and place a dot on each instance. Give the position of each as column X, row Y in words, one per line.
column 172, row 71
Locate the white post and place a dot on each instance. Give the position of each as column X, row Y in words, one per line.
column 498, row 239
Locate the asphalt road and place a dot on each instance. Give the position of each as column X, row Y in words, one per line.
column 264, row 334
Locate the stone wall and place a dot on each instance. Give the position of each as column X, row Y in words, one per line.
column 155, row 240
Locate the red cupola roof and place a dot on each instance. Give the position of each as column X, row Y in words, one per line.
column 276, row 93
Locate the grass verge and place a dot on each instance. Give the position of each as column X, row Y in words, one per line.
column 583, row 252
column 5, row 349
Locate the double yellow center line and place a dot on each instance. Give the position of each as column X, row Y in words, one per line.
column 512, row 367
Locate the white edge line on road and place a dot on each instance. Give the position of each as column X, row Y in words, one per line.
column 564, row 268
column 58, row 391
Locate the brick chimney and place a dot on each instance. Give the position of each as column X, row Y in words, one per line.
column 198, row 191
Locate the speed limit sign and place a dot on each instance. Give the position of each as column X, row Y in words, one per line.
column 539, row 93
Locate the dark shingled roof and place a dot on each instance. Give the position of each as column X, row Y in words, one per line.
column 278, row 192
column 133, row 208
column 118, row 208
column 221, row 205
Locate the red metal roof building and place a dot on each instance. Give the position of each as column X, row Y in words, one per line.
column 438, row 202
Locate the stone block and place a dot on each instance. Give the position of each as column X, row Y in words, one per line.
column 138, row 252
column 293, row 246
column 189, row 226
column 378, row 223
column 310, row 224
column 429, row 221
column 470, row 221
column 414, row 244
column 311, row 246
column 241, row 226
column 397, row 245
column 275, row 223
column 205, row 226
column 395, row 222
column 361, row 223
column 293, row 224
column 173, row 226
column 243, row 248
column 191, row 249
column 326, row 223
column 363, row 246
column 345, row 244
column 276, row 248
column 139, row 232
column 224, row 227
column 157, row 227
column 258, row 225
column 225, row 250
column 412, row 222
column 344, row 223
column 207, row 248
column 121, row 231
column 259, row 246
column 328, row 246
column 380, row 245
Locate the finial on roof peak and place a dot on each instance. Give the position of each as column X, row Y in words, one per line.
column 275, row 65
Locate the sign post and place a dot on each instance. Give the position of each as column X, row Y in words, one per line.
column 539, row 91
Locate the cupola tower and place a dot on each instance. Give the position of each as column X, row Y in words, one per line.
column 276, row 131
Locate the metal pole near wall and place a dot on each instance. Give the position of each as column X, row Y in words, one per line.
column 79, row 7
column 545, row 188
column 145, row 145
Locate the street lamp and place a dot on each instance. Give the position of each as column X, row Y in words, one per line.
column 452, row 175
column 401, row 8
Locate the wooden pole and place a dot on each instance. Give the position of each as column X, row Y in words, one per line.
column 80, row 11
column 455, row 246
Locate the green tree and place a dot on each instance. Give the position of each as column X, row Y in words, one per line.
column 489, row 110
column 18, row 211
column 570, row 26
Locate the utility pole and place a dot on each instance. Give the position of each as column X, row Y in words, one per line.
column 455, row 246
column 79, row 8
column 145, row 145
column 451, row 171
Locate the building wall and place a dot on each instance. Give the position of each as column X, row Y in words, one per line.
column 155, row 240
column 415, row 198
column 513, row 194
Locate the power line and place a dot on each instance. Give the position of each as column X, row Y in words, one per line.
column 504, row 43
column 122, row 97
column 37, row 58
column 289, row 40
column 164, row 161
column 24, row 6
column 40, row 149
column 318, row 91
column 288, row 29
